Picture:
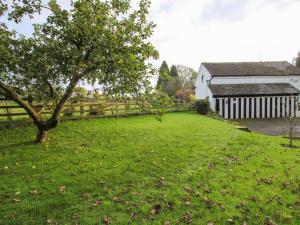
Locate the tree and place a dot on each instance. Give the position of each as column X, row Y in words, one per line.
column 292, row 121
column 104, row 42
column 173, row 85
column 298, row 60
column 174, row 72
column 182, row 81
column 163, row 76
column 187, row 76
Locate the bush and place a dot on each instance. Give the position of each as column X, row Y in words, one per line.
column 202, row 106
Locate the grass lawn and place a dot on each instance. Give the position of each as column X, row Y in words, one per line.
column 188, row 169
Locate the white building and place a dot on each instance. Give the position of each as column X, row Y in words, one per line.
column 250, row 89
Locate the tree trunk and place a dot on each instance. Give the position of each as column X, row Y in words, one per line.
column 291, row 137
column 41, row 136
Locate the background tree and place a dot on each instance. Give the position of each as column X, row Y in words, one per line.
column 174, row 72
column 173, row 85
column 104, row 42
column 298, row 60
column 187, row 76
column 182, row 82
column 163, row 76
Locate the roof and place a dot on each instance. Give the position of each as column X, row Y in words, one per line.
column 280, row 68
column 269, row 89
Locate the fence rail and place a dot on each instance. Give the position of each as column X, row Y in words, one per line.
column 14, row 115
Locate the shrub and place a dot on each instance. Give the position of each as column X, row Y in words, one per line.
column 202, row 106
column 185, row 95
column 192, row 98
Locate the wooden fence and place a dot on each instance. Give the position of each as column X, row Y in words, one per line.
column 12, row 114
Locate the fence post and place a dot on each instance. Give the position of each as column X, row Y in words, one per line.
column 117, row 109
column 81, row 108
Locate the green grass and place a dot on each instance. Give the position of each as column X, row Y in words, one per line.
column 139, row 171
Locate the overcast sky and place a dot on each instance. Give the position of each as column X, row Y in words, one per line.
column 193, row 31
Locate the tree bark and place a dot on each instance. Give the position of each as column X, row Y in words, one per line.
column 41, row 136
column 64, row 99
column 291, row 137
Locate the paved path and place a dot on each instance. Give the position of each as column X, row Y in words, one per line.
column 278, row 126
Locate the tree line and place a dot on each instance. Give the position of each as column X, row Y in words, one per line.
column 177, row 81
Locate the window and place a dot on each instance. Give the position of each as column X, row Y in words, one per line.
column 202, row 78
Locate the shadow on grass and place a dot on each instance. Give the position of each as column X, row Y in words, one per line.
column 288, row 146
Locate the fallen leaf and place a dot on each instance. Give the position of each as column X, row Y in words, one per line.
column 76, row 216
column 170, row 205
column 133, row 215
column 210, row 165
column 85, row 195
column 98, row 202
column 167, row 223
column 34, row 192
column 253, row 198
column 161, row 182
column 156, row 209
column 116, row 199
column 231, row 221
column 269, row 222
column 187, row 217
column 62, row 188
column 107, row 220
column 51, row 221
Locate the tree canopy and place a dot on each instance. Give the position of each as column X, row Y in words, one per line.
column 187, row 76
column 99, row 42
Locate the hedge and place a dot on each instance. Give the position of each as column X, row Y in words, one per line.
column 202, row 106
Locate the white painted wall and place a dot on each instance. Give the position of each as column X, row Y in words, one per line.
column 294, row 80
column 201, row 86
column 202, row 91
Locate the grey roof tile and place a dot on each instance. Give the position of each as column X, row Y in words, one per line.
column 267, row 89
column 280, row 68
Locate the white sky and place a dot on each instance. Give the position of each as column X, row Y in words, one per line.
column 193, row 31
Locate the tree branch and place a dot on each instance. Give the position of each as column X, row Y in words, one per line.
column 10, row 92
column 50, row 88
column 55, row 115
